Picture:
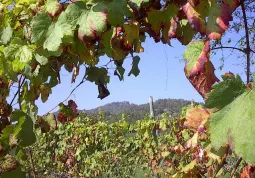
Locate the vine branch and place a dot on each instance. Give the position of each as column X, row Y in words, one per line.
column 248, row 48
column 222, row 162
column 32, row 162
column 82, row 81
column 228, row 47
column 20, row 84
column 236, row 166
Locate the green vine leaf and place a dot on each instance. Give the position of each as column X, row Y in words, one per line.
column 95, row 74
column 53, row 7
column 41, row 59
column 19, row 53
column 14, row 173
column 116, row 10
column 6, row 35
column 225, row 92
column 139, row 3
column 23, row 130
column 234, row 125
column 135, row 69
column 46, row 123
column 49, row 34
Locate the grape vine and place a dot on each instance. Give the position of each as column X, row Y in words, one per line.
column 39, row 38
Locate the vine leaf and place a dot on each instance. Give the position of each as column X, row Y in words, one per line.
column 41, row 59
column 199, row 69
column 45, row 91
column 219, row 15
column 103, row 91
column 92, row 23
column 19, row 53
column 185, row 32
column 185, row 171
column 157, row 19
column 6, row 35
column 23, row 130
column 248, row 171
column 67, row 113
column 48, row 33
column 234, row 125
column 193, row 15
column 85, row 52
column 46, row 123
column 138, row 3
column 195, row 117
column 116, row 10
column 226, row 91
column 17, row 172
column 95, row 74
column 131, row 34
column 120, row 72
column 53, row 7
column 135, row 70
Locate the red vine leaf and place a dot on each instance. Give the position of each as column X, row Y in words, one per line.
column 193, row 15
column 219, row 17
column 248, row 171
column 210, row 17
column 67, row 113
column 199, row 69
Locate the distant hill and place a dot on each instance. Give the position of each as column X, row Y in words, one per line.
column 113, row 111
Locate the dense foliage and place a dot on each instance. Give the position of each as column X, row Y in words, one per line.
column 39, row 38
column 93, row 147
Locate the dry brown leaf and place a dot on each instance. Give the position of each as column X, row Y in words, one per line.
column 195, row 117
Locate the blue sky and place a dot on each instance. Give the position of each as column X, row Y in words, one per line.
column 162, row 76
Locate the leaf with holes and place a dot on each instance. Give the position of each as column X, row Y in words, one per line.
column 199, row 69
column 185, row 32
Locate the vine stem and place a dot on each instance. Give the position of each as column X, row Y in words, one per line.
column 228, row 47
column 82, row 81
column 236, row 166
column 222, row 162
column 248, row 48
column 20, row 84
column 32, row 162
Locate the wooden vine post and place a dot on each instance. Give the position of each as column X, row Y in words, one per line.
column 155, row 131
